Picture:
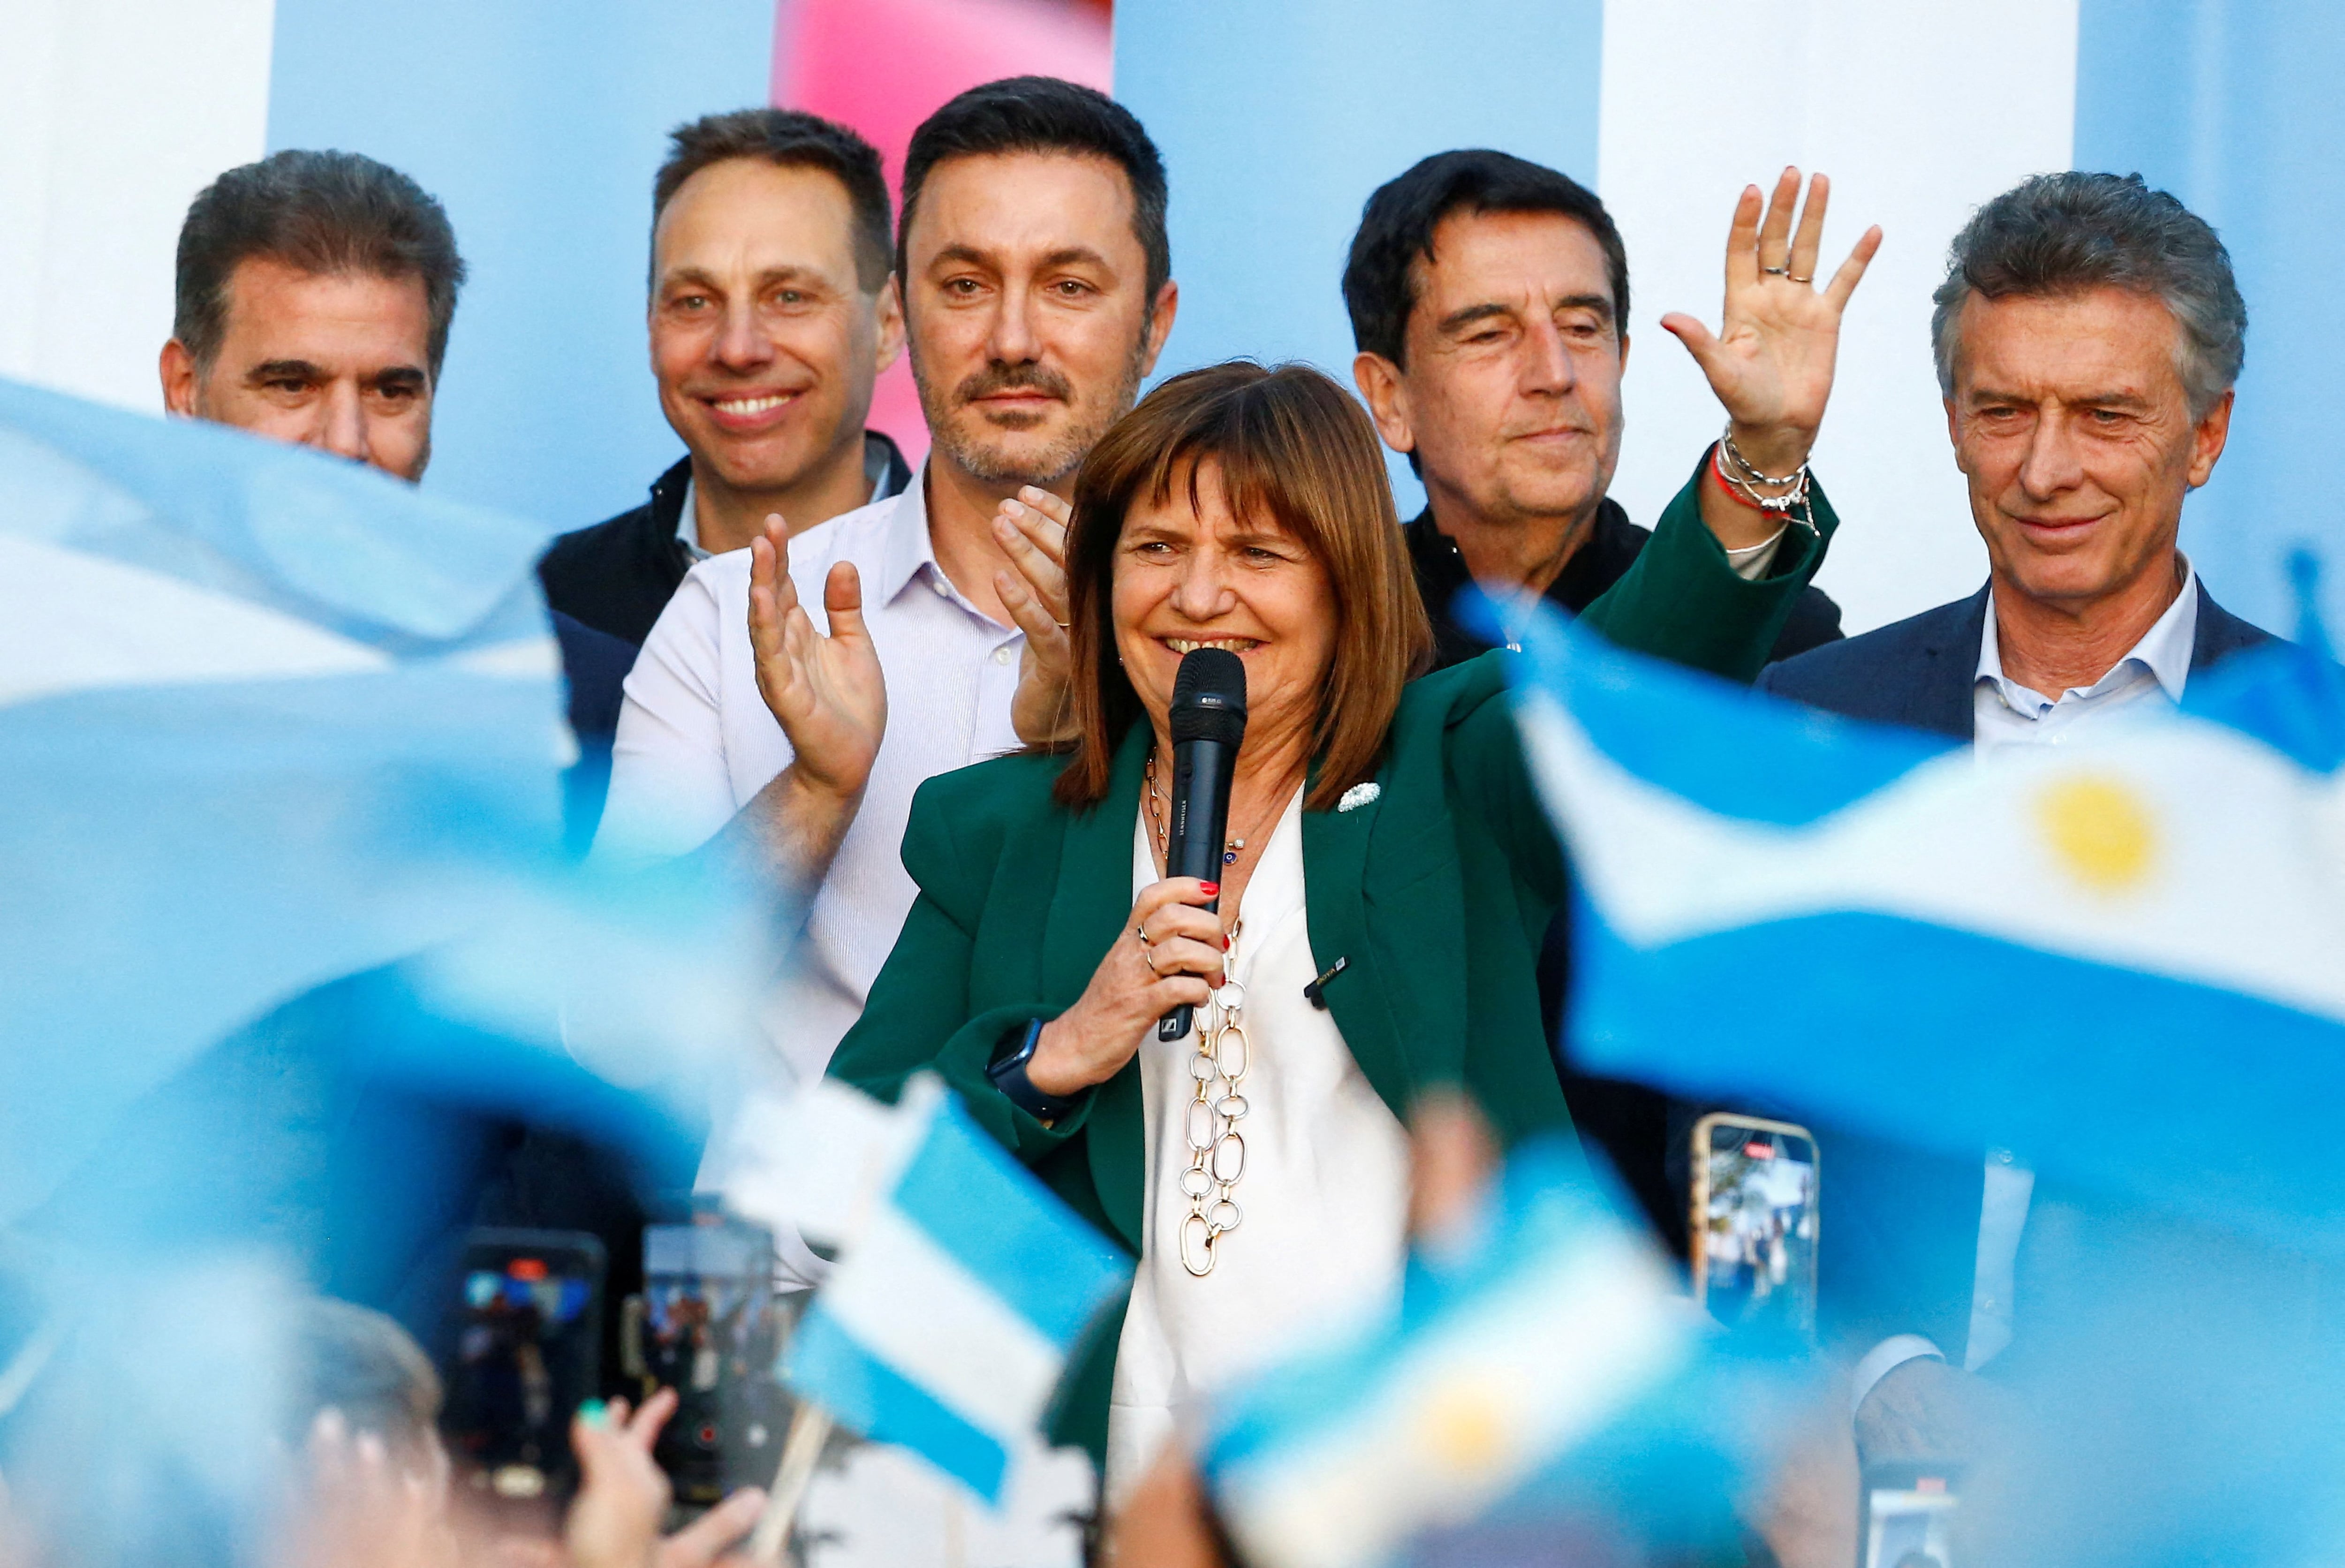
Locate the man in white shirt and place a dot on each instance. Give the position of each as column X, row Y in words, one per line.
column 2089, row 335
column 884, row 646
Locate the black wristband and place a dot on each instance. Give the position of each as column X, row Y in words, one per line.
column 1008, row 1076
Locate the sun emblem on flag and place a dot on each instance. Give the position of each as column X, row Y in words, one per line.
column 2099, row 831
column 1465, row 1428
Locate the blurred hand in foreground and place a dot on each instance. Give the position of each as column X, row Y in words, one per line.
column 623, row 1496
column 363, row 1509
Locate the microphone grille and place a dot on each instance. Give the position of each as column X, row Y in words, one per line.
column 1209, row 696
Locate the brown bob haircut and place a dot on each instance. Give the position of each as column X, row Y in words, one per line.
column 1289, row 445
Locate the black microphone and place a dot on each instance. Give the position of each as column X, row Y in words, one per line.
column 1208, row 720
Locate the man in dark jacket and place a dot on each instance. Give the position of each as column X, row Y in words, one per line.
column 1489, row 301
column 772, row 312
column 2087, row 335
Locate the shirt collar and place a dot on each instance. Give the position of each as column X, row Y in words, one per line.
column 2164, row 650
column 906, row 546
column 688, row 528
column 688, row 521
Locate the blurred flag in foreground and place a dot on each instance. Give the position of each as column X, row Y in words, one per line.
column 2119, row 956
column 964, row 1284
column 1548, row 1377
column 284, row 928
column 265, row 717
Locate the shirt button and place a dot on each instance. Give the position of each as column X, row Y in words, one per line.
column 1001, row 656
column 938, row 585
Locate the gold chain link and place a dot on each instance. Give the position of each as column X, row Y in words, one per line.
column 1217, row 1150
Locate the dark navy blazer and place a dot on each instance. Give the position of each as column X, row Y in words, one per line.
column 1899, row 1247
column 1921, row 671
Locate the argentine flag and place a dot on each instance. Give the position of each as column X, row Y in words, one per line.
column 1542, row 1378
column 963, row 1287
column 269, row 718
column 2123, row 957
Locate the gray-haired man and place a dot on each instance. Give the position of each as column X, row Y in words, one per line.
column 2087, row 334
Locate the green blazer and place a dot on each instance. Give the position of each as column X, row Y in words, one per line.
column 1438, row 893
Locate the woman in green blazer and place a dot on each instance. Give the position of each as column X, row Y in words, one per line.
column 1388, row 879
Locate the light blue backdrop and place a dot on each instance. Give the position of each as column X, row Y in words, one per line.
column 1277, row 120
column 2236, row 108
column 538, row 127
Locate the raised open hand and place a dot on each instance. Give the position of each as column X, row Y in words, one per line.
column 1033, row 532
column 1771, row 362
column 826, row 692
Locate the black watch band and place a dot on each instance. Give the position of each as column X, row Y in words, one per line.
column 1008, row 1076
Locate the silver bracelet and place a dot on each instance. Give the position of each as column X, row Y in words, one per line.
column 1744, row 476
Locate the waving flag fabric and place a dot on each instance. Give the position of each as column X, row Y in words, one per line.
column 1550, row 1374
column 2118, row 956
column 267, row 719
column 964, row 1286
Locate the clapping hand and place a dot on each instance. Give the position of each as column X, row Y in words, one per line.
column 1033, row 532
column 1771, row 362
column 826, row 692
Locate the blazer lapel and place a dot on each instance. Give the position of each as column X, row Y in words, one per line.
column 2220, row 633
column 1942, row 698
column 1344, row 855
column 1086, row 915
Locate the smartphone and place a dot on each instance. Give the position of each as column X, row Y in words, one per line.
column 706, row 1326
column 1754, row 1222
column 1908, row 1516
column 524, row 1354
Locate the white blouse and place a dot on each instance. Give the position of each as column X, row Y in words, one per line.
column 1325, row 1194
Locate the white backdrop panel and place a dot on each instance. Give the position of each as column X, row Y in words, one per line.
column 113, row 115
column 1919, row 112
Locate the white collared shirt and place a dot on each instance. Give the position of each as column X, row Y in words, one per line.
column 696, row 741
column 2006, row 713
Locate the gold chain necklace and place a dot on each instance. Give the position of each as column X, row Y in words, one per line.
column 1217, row 1149
column 1217, row 1071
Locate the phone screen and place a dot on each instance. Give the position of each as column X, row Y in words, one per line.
column 711, row 1331
column 526, row 1343
column 1756, row 1220
column 1908, row 1518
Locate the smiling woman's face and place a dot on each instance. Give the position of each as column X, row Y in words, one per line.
column 1201, row 577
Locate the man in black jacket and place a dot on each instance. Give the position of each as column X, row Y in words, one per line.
column 772, row 312
column 1489, row 301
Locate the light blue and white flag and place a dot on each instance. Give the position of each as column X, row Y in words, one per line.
column 963, row 1287
column 1548, row 1375
column 2124, row 956
column 269, row 719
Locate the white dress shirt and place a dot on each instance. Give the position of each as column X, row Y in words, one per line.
column 1324, row 1193
column 687, row 518
column 2006, row 713
column 696, row 741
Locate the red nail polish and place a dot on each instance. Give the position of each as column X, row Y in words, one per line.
column 1225, row 941
column 1213, row 889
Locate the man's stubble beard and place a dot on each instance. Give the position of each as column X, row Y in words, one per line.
column 1054, row 461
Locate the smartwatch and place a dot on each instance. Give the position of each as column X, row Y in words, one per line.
column 1008, row 1076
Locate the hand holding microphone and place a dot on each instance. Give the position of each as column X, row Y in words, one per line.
column 1169, row 956
column 1209, row 721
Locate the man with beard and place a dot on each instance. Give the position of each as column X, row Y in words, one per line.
column 793, row 695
